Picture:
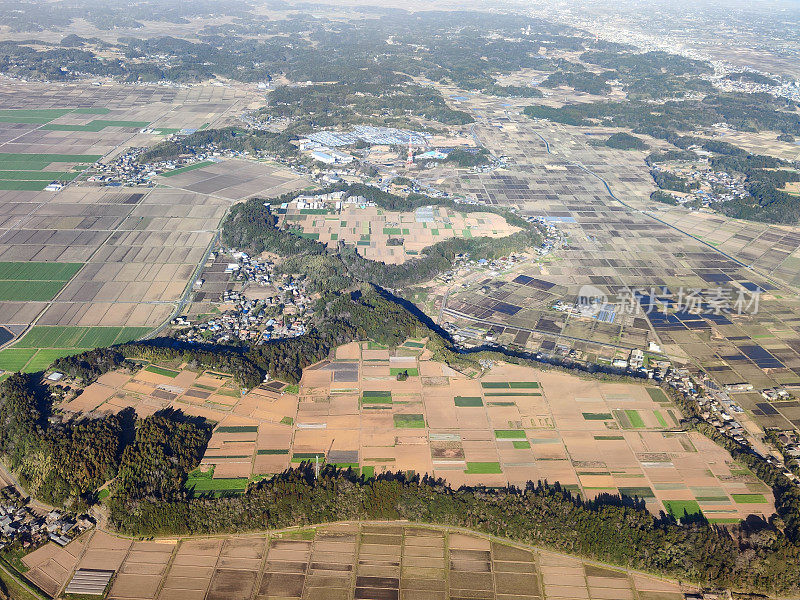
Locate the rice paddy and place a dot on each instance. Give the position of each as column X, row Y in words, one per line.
column 44, row 344
column 337, row 562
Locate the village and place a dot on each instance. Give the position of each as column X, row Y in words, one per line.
column 267, row 305
column 24, row 527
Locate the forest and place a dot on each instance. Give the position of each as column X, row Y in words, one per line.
column 63, row 461
column 227, row 138
column 745, row 112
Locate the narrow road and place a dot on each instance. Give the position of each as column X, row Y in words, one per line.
column 12, row 479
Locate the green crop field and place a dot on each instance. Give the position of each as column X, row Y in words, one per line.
column 38, row 116
column 273, row 451
column 749, row 498
column 597, row 416
column 217, row 486
column 657, row 395
column 96, row 125
column 635, row 418
column 641, row 492
column 47, row 176
column 161, row 371
column 199, row 165
column 468, row 401
column 521, row 445
column 14, row 359
column 376, row 397
column 397, row 370
column 45, row 357
column 490, row 385
column 46, row 159
column 677, row 507
column 238, row 429
column 34, row 116
column 509, row 434
column 524, row 384
column 409, row 421
column 28, row 291
column 23, row 186
column 660, row 418
column 38, row 271
column 46, row 336
column 481, row 468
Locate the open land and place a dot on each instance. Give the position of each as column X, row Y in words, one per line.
column 618, row 243
column 513, row 425
column 369, row 228
column 337, row 562
column 112, row 258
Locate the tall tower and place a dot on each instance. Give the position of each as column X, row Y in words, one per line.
column 410, row 159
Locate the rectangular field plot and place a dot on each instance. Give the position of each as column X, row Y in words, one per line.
column 29, row 291
column 21, row 281
column 14, row 359
column 336, row 562
column 45, row 336
column 677, row 508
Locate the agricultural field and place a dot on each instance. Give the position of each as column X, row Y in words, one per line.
column 337, row 562
column 512, row 425
column 234, row 179
column 619, row 243
column 139, row 247
column 41, row 345
column 32, row 281
column 389, row 236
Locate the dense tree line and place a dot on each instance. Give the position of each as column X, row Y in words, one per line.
column 668, row 155
column 625, row 141
column 669, row 181
column 154, row 466
column 663, row 198
column 466, row 158
column 746, row 112
column 380, row 102
column 64, row 460
column 581, row 81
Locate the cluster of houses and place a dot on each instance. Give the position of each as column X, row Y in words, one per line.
column 710, row 187
column 715, row 405
column 271, row 306
column 20, row 524
column 127, row 170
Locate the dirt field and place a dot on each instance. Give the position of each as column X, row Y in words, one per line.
column 514, row 425
column 341, row 562
column 135, row 248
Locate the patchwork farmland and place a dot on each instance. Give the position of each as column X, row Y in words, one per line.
column 337, row 562
column 513, row 425
column 117, row 259
column 389, row 236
